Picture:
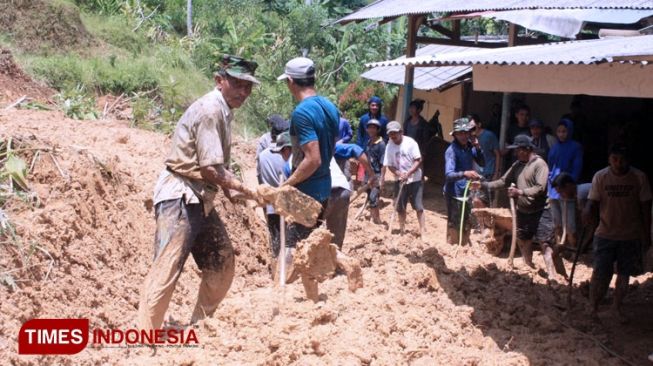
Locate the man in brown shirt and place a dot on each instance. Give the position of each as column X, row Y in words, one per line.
column 197, row 165
column 529, row 173
column 621, row 197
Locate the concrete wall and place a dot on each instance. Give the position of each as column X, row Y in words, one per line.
column 448, row 102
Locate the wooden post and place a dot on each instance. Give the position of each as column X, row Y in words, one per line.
column 189, row 18
column 505, row 105
column 411, row 45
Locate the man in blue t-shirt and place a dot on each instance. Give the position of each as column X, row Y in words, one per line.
column 313, row 133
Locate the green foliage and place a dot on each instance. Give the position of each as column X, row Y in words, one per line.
column 105, row 7
column 13, row 168
column 76, row 104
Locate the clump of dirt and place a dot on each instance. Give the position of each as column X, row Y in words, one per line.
column 14, row 83
column 294, row 205
column 39, row 25
column 314, row 261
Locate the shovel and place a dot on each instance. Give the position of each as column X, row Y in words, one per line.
column 580, row 248
column 513, row 242
column 395, row 204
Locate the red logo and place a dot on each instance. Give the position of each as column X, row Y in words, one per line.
column 53, row 336
column 71, row 336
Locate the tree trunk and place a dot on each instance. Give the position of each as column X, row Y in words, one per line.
column 189, row 18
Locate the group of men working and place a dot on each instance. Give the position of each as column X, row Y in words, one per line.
column 301, row 153
column 298, row 153
column 619, row 197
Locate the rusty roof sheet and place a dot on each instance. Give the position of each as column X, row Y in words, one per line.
column 561, row 53
column 426, row 78
column 394, row 8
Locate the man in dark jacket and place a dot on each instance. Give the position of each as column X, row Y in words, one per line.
column 375, row 105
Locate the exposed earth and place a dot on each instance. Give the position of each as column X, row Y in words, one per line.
column 80, row 242
column 422, row 303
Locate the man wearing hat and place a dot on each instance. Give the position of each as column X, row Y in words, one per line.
column 542, row 140
column 375, row 111
column 313, row 133
column 272, row 162
column 529, row 173
column 459, row 161
column 277, row 125
column 196, row 167
column 403, row 158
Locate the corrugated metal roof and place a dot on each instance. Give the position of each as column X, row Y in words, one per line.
column 574, row 52
column 426, row 78
column 393, row 8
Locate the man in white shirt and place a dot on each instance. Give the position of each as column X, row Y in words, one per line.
column 404, row 160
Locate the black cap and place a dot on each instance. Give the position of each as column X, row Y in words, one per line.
column 522, row 141
column 278, row 123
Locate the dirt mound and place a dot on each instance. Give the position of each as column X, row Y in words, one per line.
column 40, row 25
column 14, row 83
column 83, row 242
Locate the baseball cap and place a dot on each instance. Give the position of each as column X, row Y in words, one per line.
column 283, row 140
column 298, row 68
column 374, row 122
column 278, row 123
column 393, row 126
column 521, row 141
column 536, row 123
column 239, row 68
column 460, row 125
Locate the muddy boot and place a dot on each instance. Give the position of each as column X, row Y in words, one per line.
column 452, row 236
column 526, row 249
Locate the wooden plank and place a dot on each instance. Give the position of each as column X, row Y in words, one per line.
column 607, row 79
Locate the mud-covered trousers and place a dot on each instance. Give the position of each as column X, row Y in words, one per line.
column 182, row 229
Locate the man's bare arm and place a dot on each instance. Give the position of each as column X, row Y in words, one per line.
column 219, row 176
column 308, row 166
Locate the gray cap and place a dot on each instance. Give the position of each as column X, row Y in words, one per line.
column 283, row 140
column 298, row 68
column 521, row 141
column 393, row 126
column 374, row 122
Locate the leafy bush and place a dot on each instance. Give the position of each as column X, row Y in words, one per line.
column 76, row 104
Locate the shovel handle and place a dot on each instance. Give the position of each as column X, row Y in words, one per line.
column 513, row 242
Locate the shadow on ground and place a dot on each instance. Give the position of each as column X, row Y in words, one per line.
column 518, row 314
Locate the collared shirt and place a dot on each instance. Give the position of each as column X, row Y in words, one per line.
column 202, row 138
column 457, row 160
